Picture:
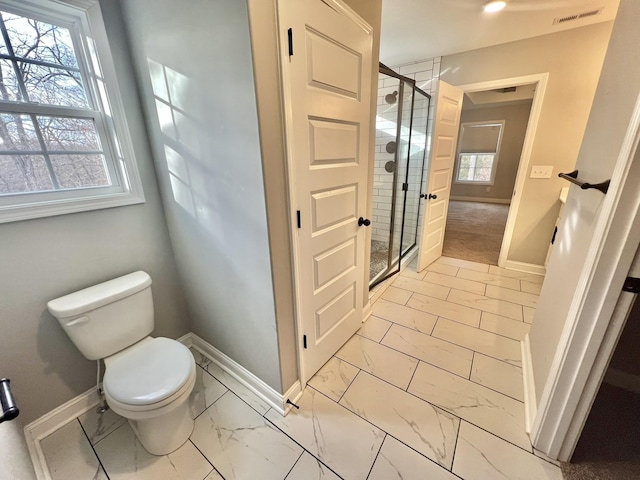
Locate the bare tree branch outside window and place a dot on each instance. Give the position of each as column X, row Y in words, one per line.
column 41, row 149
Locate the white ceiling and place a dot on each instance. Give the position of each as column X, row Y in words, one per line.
column 418, row 29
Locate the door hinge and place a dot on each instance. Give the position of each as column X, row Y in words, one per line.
column 405, row 187
column 290, row 39
column 555, row 232
column 298, row 219
column 304, row 341
column 631, row 284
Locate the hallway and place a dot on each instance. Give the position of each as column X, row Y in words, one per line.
column 431, row 384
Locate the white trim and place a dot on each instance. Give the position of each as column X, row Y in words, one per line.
column 525, row 157
column 607, row 263
column 626, row 381
column 525, row 267
column 367, row 311
column 40, row 428
column 52, row 421
column 294, row 393
column 274, row 399
column 344, row 9
column 504, row 201
column 109, row 115
column 529, row 384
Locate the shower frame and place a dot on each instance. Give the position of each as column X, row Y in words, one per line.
column 393, row 266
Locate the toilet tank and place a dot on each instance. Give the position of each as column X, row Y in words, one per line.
column 106, row 318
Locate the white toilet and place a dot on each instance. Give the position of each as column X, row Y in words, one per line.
column 147, row 380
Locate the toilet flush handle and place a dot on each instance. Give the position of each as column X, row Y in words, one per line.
column 77, row 321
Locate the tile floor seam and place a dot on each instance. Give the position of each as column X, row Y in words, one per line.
column 302, row 446
column 92, row 446
column 392, row 385
column 487, row 298
column 423, row 455
column 481, row 428
column 499, row 334
column 386, row 434
column 483, row 353
column 294, row 464
column 213, row 467
column 421, row 360
column 455, row 446
column 350, row 383
column 101, row 438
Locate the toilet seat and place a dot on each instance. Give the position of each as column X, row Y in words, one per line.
column 149, row 375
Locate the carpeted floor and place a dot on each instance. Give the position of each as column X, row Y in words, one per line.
column 474, row 231
column 609, row 446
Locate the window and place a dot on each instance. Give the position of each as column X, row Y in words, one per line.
column 64, row 145
column 478, row 148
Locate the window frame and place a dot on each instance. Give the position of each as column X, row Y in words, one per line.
column 84, row 20
column 496, row 154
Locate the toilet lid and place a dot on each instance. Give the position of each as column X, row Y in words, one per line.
column 149, row 373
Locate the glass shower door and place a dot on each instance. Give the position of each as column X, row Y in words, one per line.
column 417, row 156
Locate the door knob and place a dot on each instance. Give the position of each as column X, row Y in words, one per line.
column 364, row 221
column 432, row 196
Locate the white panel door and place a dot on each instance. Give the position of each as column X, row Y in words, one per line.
column 327, row 85
column 443, row 151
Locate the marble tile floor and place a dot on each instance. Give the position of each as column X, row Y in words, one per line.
column 429, row 388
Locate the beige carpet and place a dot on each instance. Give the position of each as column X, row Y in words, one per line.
column 474, row 231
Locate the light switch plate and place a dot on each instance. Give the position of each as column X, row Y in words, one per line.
column 541, row 171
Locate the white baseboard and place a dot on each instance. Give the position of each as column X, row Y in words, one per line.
column 525, row 267
column 530, row 401
column 60, row 416
column 367, row 310
column 274, row 399
column 624, row 380
column 35, row 431
column 504, row 201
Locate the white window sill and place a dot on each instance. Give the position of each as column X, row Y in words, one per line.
column 15, row 213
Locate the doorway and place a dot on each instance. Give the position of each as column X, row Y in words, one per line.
column 401, row 141
column 492, row 134
column 429, row 231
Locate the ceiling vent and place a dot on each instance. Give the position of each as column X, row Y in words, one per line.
column 577, row 16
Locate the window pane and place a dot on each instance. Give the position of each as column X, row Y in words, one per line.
column 40, row 41
column 484, row 161
column 23, row 173
column 66, row 133
column 482, row 175
column 17, row 133
column 53, row 86
column 463, row 174
column 465, row 160
column 80, row 171
column 9, row 90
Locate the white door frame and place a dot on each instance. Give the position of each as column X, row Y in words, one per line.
column 585, row 346
column 523, row 168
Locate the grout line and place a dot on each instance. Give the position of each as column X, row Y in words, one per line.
column 92, row 447
column 455, row 446
column 294, row 464
column 206, row 458
column 377, row 454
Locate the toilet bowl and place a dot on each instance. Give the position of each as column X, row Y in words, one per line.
column 147, row 380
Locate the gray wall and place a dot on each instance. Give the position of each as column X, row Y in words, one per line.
column 610, row 116
column 516, row 118
column 194, row 72
column 573, row 60
column 45, row 258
